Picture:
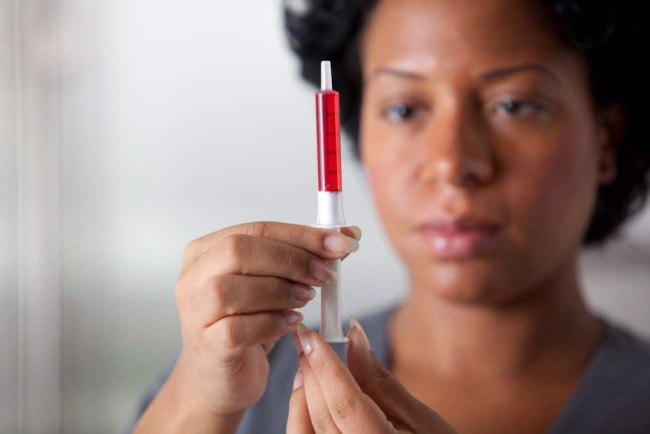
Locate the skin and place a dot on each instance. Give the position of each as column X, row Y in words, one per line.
column 236, row 297
column 530, row 168
column 329, row 398
column 506, row 329
column 440, row 135
column 512, row 319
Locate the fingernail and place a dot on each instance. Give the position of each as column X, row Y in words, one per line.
column 321, row 272
column 302, row 292
column 298, row 380
column 292, row 318
column 296, row 342
column 357, row 232
column 341, row 244
column 305, row 339
column 355, row 323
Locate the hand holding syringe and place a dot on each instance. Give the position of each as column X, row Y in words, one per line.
column 237, row 294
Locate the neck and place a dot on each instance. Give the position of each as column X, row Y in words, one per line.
column 548, row 331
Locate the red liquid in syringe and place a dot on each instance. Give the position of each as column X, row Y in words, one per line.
column 328, row 141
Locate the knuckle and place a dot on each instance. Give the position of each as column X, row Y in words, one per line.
column 217, row 294
column 312, row 240
column 259, row 229
column 344, row 407
column 303, row 237
column 232, row 245
column 382, row 374
column 381, row 380
column 294, row 259
column 234, row 248
column 229, row 335
column 308, row 237
column 321, row 422
column 179, row 293
column 190, row 252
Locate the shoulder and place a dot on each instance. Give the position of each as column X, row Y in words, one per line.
column 625, row 360
column 624, row 378
column 614, row 394
column 628, row 347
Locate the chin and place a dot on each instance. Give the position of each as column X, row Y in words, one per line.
column 471, row 284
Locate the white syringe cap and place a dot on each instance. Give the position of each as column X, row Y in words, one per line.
column 325, row 75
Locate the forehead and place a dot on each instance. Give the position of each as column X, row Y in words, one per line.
column 436, row 34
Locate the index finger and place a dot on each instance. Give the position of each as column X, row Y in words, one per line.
column 298, row 421
column 350, row 408
column 311, row 239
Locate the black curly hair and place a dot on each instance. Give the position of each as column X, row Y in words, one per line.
column 611, row 34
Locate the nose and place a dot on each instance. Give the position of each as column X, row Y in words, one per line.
column 456, row 149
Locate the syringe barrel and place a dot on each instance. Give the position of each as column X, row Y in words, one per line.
column 330, row 209
column 330, row 204
column 331, row 327
column 328, row 139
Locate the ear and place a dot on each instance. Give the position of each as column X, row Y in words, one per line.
column 611, row 121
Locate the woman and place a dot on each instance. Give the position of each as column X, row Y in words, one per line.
column 498, row 139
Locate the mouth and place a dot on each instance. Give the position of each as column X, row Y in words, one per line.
column 455, row 238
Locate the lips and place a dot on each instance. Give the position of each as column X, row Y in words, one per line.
column 464, row 237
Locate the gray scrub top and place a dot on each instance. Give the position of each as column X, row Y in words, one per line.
column 613, row 395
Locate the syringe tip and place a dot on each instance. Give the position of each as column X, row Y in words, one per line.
column 325, row 75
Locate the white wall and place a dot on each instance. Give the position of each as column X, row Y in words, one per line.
column 180, row 118
column 8, row 229
column 29, row 223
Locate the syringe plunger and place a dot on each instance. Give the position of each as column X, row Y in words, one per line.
column 325, row 75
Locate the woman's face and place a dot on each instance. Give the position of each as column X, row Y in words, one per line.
column 481, row 144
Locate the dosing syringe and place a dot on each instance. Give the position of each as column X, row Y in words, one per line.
column 330, row 201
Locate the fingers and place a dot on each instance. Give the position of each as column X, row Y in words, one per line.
column 350, row 409
column 373, row 378
column 319, row 414
column 237, row 332
column 227, row 295
column 268, row 346
column 244, row 254
column 352, row 232
column 325, row 243
column 298, row 421
column 257, row 267
column 377, row 382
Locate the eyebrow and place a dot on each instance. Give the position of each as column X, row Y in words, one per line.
column 398, row 72
column 499, row 74
column 494, row 75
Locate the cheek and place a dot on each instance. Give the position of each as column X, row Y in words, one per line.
column 388, row 177
column 553, row 190
column 374, row 165
column 384, row 180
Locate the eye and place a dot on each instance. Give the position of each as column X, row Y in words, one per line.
column 400, row 113
column 519, row 109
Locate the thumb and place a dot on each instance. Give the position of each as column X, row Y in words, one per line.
column 374, row 378
column 400, row 407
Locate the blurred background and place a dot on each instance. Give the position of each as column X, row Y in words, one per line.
column 129, row 128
